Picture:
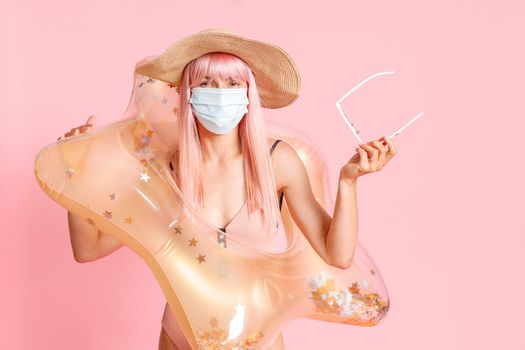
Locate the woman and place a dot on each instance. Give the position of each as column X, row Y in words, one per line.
column 227, row 165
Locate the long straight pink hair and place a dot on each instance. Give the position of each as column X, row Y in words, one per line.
column 259, row 179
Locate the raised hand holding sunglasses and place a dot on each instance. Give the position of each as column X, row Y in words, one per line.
column 371, row 156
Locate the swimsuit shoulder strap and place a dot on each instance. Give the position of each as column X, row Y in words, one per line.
column 282, row 193
column 274, row 144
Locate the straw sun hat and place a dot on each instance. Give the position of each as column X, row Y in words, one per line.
column 277, row 77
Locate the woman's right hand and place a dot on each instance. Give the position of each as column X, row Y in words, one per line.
column 90, row 123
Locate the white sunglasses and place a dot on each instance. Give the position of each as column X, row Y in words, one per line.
column 351, row 125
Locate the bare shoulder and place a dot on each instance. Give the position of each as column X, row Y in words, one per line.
column 286, row 163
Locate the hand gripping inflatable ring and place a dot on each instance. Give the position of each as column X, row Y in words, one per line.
column 234, row 297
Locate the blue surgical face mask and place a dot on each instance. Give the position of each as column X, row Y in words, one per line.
column 219, row 109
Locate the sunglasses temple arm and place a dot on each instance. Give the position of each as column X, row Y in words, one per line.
column 406, row 125
column 363, row 82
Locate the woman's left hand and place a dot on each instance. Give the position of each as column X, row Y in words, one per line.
column 371, row 157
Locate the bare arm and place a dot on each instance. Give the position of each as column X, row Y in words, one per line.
column 341, row 238
column 307, row 213
column 333, row 237
column 88, row 243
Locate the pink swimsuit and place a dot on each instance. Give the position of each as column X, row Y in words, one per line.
column 245, row 228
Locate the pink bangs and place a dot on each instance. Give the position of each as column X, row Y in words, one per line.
column 218, row 64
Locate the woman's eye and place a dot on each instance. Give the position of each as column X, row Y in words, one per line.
column 204, row 83
column 235, row 83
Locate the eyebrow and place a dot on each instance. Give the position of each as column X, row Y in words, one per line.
column 208, row 78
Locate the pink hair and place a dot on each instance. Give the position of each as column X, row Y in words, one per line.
column 259, row 180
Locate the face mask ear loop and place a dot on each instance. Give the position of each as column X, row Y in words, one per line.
column 351, row 125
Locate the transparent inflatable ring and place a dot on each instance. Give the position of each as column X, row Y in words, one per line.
column 236, row 297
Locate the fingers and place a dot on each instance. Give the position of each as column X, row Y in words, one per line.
column 80, row 129
column 378, row 153
column 373, row 155
column 391, row 147
column 69, row 133
column 84, row 128
column 91, row 120
column 381, row 158
column 364, row 165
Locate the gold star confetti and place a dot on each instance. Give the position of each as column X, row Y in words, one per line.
column 108, row 214
column 201, row 258
column 215, row 337
column 368, row 308
column 253, row 339
column 149, row 133
column 144, row 176
column 69, row 172
column 90, row 221
column 354, row 288
column 112, row 196
column 128, row 220
column 178, row 230
column 193, row 242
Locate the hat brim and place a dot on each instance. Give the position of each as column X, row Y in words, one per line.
column 277, row 76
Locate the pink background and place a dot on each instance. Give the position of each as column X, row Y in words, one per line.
column 443, row 221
